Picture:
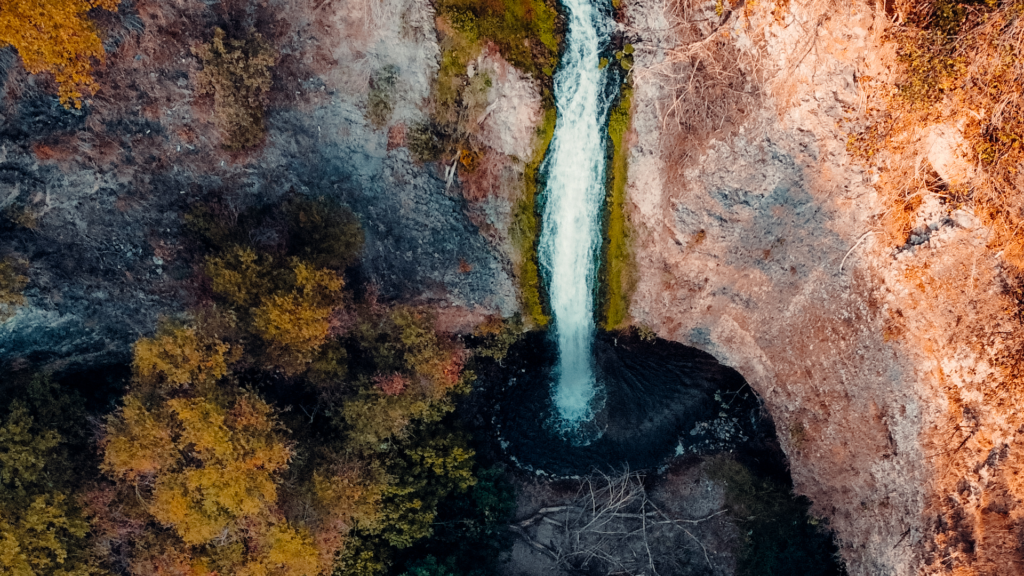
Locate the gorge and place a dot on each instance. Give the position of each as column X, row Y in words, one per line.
column 362, row 254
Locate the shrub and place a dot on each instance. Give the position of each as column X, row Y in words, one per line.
column 379, row 104
column 498, row 336
column 12, row 284
column 237, row 74
column 56, row 36
column 323, row 233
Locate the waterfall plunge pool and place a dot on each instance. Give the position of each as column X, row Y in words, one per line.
column 658, row 400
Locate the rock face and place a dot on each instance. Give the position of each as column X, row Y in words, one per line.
column 106, row 187
column 757, row 238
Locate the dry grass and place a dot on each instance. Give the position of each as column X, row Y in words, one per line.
column 711, row 85
column 961, row 65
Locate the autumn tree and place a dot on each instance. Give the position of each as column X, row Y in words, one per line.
column 415, row 370
column 56, row 36
column 288, row 306
column 42, row 530
column 198, row 461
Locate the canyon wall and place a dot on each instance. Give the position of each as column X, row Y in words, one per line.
column 758, row 237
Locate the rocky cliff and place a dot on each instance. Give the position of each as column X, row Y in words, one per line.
column 103, row 190
column 761, row 237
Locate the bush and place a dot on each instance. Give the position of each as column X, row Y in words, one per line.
column 56, row 36
column 237, row 74
column 12, row 284
column 379, row 104
column 323, row 233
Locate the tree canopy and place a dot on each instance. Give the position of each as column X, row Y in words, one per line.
column 56, row 36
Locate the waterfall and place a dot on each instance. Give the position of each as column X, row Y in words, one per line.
column 571, row 231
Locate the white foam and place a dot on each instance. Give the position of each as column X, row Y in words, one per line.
column 570, row 233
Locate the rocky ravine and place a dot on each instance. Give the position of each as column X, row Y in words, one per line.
column 757, row 239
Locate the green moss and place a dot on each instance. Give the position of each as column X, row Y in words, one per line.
column 525, row 31
column 617, row 262
column 526, row 226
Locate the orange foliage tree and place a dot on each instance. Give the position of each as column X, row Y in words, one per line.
column 56, row 36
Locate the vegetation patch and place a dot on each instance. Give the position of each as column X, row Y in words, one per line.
column 780, row 537
column 379, row 104
column 617, row 264
column 526, row 32
column 962, row 66
column 526, row 227
column 236, row 72
column 12, row 284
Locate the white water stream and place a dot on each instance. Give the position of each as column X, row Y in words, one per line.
column 571, row 231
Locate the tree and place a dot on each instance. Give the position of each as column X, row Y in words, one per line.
column 41, row 529
column 297, row 323
column 198, row 467
column 206, row 458
column 180, row 355
column 56, row 36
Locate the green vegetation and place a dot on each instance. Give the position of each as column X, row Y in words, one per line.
column 525, row 228
column 527, row 34
column 237, row 73
column 12, row 284
column 781, row 538
column 617, row 262
column 525, row 31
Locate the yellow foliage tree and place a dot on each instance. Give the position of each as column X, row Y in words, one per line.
column 207, row 467
column 56, row 36
column 296, row 323
column 178, row 356
column 240, row 275
column 206, row 459
column 39, row 531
